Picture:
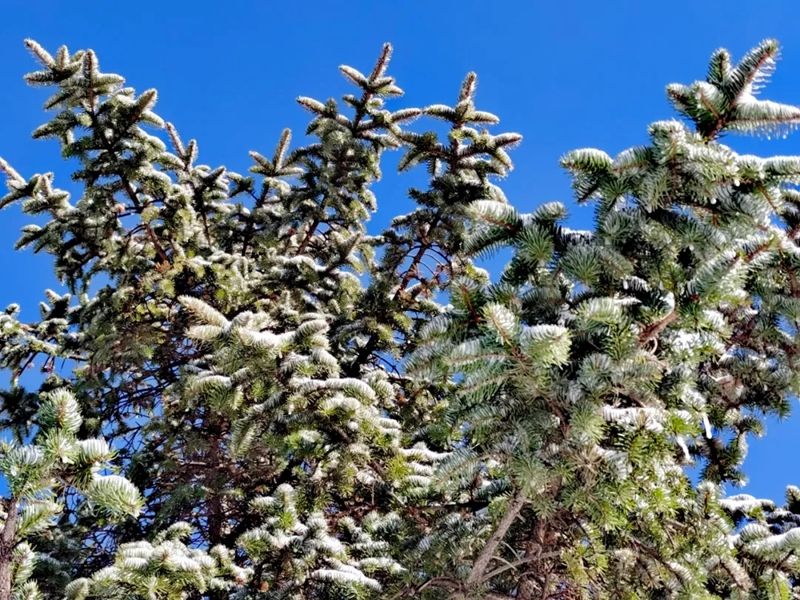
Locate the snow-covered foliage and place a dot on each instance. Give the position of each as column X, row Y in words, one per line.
column 304, row 410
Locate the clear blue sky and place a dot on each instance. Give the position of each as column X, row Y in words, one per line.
column 564, row 74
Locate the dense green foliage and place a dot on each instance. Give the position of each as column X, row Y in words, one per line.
column 299, row 409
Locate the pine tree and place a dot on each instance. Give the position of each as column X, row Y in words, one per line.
column 602, row 362
column 40, row 474
column 310, row 411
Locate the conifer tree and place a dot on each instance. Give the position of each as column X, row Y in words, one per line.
column 39, row 475
column 312, row 412
column 602, row 362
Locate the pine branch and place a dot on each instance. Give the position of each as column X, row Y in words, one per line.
column 477, row 575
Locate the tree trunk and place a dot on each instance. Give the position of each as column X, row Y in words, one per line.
column 7, row 549
column 5, row 575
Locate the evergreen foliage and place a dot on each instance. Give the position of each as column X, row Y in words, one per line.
column 300, row 409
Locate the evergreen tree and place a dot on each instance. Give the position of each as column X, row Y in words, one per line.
column 312, row 412
column 39, row 476
column 602, row 362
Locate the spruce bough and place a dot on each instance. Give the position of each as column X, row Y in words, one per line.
column 244, row 393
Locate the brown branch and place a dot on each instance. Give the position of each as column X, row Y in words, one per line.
column 520, row 562
column 653, row 330
column 477, row 574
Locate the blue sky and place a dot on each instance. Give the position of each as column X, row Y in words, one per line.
column 564, row 74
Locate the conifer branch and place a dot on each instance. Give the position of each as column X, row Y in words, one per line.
column 478, row 573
